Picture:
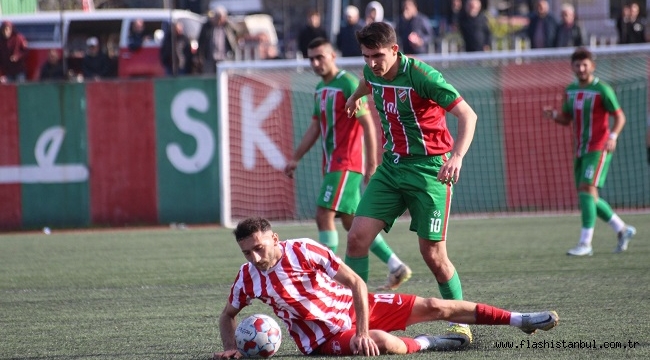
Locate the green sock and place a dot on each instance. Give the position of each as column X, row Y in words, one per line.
column 381, row 249
column 588, row 210
column 452, row 289
column 329, row 238
column 360, row 265
column 603, row 210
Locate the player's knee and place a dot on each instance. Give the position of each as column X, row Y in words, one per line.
column 435, row 308
column 387, row 343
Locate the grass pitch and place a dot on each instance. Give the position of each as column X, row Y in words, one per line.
column 157, row 293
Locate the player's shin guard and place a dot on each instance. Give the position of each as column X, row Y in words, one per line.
column 329, row 238
column 588, row 210
column 381, row 249
column 452, row 289
column 360, row 265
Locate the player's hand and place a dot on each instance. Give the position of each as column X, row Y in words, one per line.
column 610, row 145
column 290, row 168
column 450, row 170
column 549, row 113
column 228, row 354
column 352, row 106
column 365, row 346
column 370, row 171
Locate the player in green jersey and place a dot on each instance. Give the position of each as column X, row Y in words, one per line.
column 344, row 164
column 421, row 163
column 588, row 103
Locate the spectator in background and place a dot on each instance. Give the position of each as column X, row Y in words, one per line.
column 13, row 48
column 452, row 24
column 474, row 27
column 311, row 31
column 267, row 49
column 218, row 40
column 569, row 33
column 541, row 26
column 52, row 69
column 96, row 64
column 633, row 27
column 346, row 40
column 414, row 30
column 176, row 51
column 374, row 12
column 137, row 35
column 621, row 23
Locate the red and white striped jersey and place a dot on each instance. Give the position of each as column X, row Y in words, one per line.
column 301, row 290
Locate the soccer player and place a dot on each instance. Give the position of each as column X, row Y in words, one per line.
column 326, row 305
column 343, row 140
column 588, row 103
column 421, row 162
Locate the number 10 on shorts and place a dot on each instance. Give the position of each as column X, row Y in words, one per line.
column 434, row 225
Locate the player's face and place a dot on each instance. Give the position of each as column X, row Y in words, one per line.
column 261, row 249
column 321, row 60
column 381, row 61
column 583, row 69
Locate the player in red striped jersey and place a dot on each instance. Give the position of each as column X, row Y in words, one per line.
column 588, row 103
column 421, row 162
column 327, row 308
column 344, row 165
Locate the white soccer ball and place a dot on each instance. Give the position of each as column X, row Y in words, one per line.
column 258, row 336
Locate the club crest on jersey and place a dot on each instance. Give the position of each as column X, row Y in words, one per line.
column 402, row 94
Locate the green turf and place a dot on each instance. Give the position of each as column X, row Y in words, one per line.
column 157, row 294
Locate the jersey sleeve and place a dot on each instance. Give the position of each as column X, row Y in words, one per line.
column 349, row 84
column 238, row 297
column 322, row 258
column 610, row 101
column 430, row 84
column 316, row 110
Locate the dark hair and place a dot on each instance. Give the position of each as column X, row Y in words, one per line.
column 582, row 53
column 377, row 35
column 250, row 226
column 319, row 41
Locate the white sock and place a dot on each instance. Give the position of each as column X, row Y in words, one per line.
column 515, row 319
column 585, row 236
column 394, row 262
column 423, row 342
column 616, row 223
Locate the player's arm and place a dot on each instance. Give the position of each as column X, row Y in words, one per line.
column 354, row 101
column 619, row 123
column 227, row 326
column 370, row 143
column 559, row 117
column 450, row 170
column 308, row 139
column 362, row 343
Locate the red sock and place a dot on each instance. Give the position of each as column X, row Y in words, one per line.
column 412, row 346
column 490, row 315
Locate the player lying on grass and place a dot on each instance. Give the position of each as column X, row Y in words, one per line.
column 328, row 310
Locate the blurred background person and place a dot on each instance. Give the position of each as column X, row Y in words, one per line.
column 310, row 31
column 474, row 27
column 414, row 31
column 569, row 33
column 96, row 64
column 137, row 35
column 541, row 26
column 218, row 40
column 633, row 27
column 52, row 69
column 346, row 40
column 176, row 51
column 13, row 48
column 374, row 12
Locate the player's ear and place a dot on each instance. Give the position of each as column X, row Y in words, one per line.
column 276, row 238
column 395, row 48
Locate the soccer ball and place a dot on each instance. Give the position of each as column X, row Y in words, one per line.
column 258, row 336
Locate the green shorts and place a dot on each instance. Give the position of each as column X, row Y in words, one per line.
column 592, row 168
column 340, row 191
column 410, row 184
